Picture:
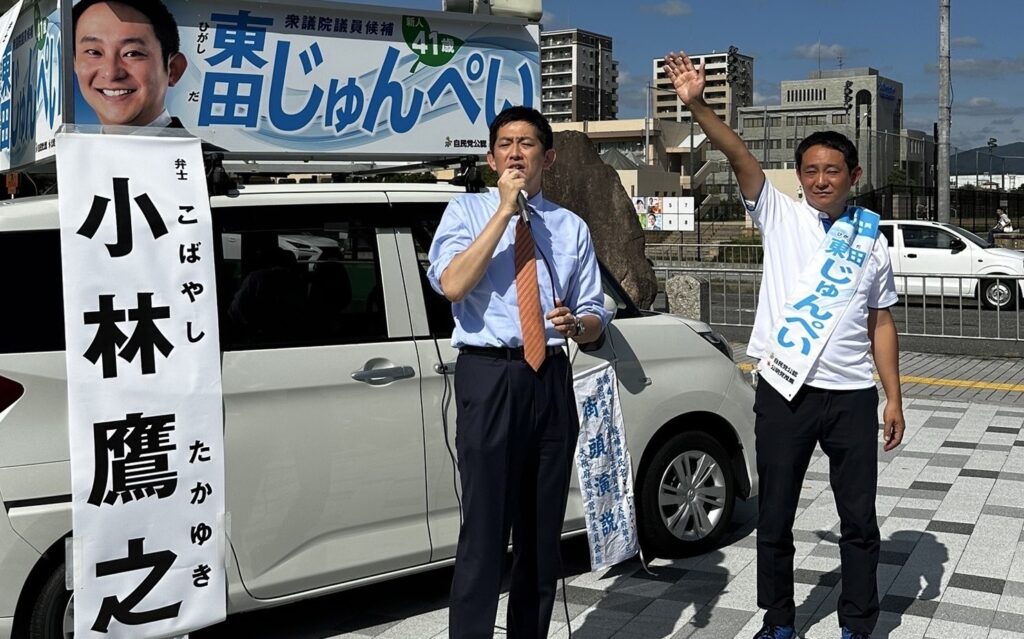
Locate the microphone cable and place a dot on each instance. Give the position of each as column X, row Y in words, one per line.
column 523, row 205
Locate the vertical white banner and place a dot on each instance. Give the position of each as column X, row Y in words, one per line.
column 144, row 386
column 7, row 22
column 604, row 469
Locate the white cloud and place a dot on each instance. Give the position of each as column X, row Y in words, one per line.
column 824, row 51
column 983, row 67
column 987, row 107
column 966, row 42
column 762, row 98
column 670, row 8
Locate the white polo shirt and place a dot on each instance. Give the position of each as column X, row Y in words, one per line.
column 792, row 231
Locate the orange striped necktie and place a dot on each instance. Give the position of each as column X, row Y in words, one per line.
column 528, row 295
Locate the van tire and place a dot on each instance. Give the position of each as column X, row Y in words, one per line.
column 686, row 450
column 50, row 609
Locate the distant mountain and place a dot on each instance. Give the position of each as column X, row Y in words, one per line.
column 964, row 161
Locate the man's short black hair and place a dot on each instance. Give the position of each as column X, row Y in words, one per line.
column 833, row 140
column 524, row 114
column 164, row 25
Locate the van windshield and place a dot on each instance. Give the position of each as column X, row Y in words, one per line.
column 971, row 237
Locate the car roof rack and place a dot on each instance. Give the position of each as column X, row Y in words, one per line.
column 221, row 179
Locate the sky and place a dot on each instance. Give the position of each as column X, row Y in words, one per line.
column 900, row 38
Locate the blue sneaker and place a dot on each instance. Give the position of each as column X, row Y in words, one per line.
column 776, row 632
column 849, row 634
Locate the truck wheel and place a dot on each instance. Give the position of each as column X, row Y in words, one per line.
column 998, row 294
column 687, row 496
column 53, row 615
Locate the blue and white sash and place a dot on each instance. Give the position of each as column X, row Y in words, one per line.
column 819, row 301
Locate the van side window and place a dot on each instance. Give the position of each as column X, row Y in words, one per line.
column 32, row 320
column 887, row 232
column 310, row 277
column 439, row 309
column 926, row 237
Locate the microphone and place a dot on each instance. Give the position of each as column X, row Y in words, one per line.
column 524, row 207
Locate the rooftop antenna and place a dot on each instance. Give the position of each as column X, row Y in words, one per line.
column 819, row 56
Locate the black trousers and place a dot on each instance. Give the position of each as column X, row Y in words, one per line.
column 515, row 439
column 845, row 424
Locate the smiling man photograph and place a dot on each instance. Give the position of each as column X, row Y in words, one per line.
column 826, row 398
column 127, row 53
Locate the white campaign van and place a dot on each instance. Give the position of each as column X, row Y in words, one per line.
column 338, row 470
column 338, row 425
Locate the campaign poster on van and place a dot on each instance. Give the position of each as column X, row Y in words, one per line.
column 314, row 78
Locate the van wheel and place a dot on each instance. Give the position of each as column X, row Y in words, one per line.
column 998, row 294
column 53, row 616
column 687, row 497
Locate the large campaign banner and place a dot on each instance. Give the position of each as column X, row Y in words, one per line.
column 314, row 77
column 145, row 414
column 31, row 90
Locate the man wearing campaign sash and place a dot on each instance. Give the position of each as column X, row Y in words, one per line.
column 822, row 310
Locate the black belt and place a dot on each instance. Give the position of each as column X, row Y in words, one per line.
column 503, row 352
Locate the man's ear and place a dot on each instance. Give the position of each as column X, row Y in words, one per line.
column 549, row 158
column 491, row 163
column 855, row 175
column 176, row 68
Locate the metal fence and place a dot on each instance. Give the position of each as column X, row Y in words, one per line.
column 972, row 209
column 941, row 306
column 739, row 256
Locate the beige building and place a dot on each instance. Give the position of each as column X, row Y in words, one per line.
column 651, row 160
column 723, row 96
column 579, row 78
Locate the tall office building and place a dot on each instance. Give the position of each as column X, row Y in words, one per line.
column 579, row 78
column 723, row 95
column 859, row 103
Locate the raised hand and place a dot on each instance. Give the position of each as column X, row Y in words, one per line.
column 687, row 79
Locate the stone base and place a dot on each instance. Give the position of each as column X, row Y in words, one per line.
column 689, row 297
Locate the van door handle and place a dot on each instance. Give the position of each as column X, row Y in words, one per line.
column 911, row 254
column 444, row 368
column 383, row 375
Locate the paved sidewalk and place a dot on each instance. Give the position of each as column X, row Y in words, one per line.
column 950, row 377
column 951, row 511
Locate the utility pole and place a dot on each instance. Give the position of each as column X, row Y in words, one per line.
column 944, row 112
column 647, row 127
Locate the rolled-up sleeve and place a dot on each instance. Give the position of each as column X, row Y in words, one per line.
column 590, row 297
column 452, row 237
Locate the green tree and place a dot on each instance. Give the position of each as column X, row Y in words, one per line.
column 489, row 175
column 897, row 176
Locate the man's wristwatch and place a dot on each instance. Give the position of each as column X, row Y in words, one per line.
column 581, row 328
